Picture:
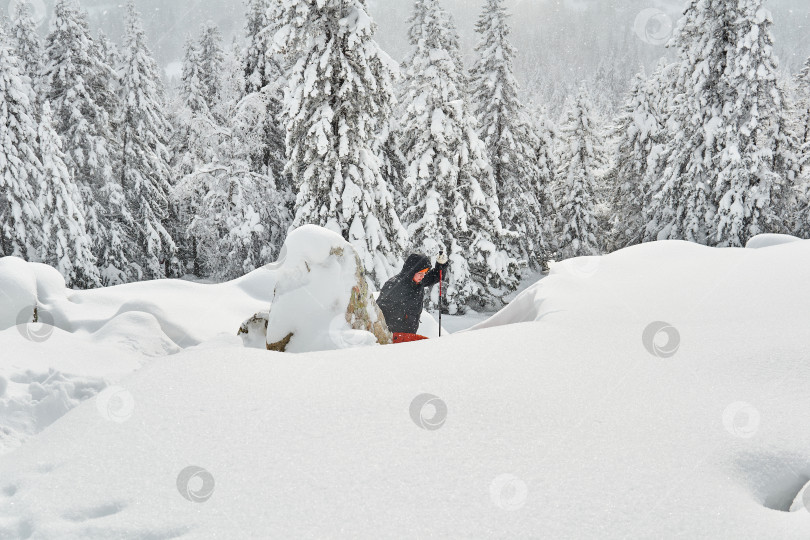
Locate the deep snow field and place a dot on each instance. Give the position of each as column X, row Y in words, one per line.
column 661, row 391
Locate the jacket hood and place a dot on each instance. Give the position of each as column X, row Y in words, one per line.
column 414, row 263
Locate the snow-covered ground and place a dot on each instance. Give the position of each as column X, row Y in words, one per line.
column 660, row 391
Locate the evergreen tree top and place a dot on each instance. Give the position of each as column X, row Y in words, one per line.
column 432, row 31
column 191, row 80
column 804, row 74
column 24, row 13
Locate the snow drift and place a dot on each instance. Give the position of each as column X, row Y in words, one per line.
column 678, row 281
column 185, row 314
column 118, row 329
column 661, row 393
column 85, row 340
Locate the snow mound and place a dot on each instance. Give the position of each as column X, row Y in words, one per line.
column 156, row 317
column 767, row 240
column 670, row 376
column 670, row 281
column 321, row 299
column 19, row 288
column 163, row 316
column 137, row 331
column 105, row 334
column 83, row 341
column 666, row 364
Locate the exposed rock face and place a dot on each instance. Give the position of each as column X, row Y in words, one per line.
column 280, row 346
column 321, row 299
column 363, row 313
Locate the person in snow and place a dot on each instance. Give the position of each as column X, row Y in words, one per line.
column 402, row 296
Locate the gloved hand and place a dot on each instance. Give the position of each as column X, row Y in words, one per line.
column 441, row 260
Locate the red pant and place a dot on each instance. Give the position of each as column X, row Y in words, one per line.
column 400, row 337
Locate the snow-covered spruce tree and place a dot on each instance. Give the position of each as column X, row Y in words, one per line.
column 759, row 165
column 111, row 58
column 192, row 89
column 338, row 96
column 802, row 104
column 544, row 140
column 144, row 168
column 801, row 212
column 453, row 44
column 681, row 181
column 115, row 256
column 388, row 147
column 66, row 244
column 606, row 82
column 725, row 150
column 78, row 88
column 240, row 219
column 420, row 24
column 193, row 121
column 451, row 195
column 259, row 43
column 637, row 131
column 264, row 76
column 256, row 119
column 192, row 145
column 614, row 72
column 577, row 180
column 20, row 170
column 211, row 58
column 786, row 162
column 508, row 135
column 271, row 154
column 109, row 51
column 27, row 43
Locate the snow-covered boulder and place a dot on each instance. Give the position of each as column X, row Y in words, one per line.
column 18, row 291
column 254, row 331
column 321, row 300
column 27, row 291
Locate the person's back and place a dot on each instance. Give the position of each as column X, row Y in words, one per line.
column 402, row 296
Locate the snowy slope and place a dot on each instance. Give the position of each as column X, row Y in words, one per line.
column 574, row 423
column 111, row 332
column 99, row 336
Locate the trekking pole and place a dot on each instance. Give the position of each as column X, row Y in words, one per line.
column 443, row 260
column 440, row 302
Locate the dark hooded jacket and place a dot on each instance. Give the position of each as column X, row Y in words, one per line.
column 401, row 298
